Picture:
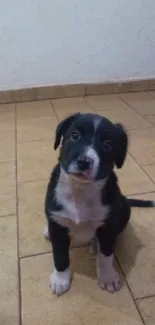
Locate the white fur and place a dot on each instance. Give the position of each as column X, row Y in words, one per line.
column 82, row 211
column 46, row 233
column 108, row 278
column 91, row 153
column 60, row 281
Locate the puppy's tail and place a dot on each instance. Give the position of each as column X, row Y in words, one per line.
column 141, row 203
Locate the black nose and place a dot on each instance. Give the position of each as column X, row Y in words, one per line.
column 84, row 163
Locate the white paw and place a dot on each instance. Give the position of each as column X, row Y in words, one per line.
column 46, row 233
column 108, row 278
column 60, row 281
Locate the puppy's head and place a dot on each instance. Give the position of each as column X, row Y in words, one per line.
column 91, row 146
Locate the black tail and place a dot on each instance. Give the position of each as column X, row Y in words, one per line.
column 141, row 203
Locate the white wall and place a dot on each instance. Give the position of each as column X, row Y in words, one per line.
column 44, row 42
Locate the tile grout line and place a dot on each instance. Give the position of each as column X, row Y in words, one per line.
column 35, row 141
column 6, row 109
column 128, row 129
column 145, row 297
column 8, row 215
column 149, row 165
column 148, row 175
column 40, row 140
column 87, row 103
column 145, row 116
column 142, row 169
column 50, row 252
column 17, row 216
column 141, row 193
column 34, row 255
column 54, row 111
column 7, row 161
column 132, row 296
column 134, row 109
column 33, row 180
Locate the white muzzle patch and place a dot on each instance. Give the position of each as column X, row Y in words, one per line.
column 92, row 154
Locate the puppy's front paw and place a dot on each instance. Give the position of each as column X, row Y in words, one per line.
column 108, row 278
column 109, row 282
column 60, row 281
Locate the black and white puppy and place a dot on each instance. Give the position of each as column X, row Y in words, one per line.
column 83, row 198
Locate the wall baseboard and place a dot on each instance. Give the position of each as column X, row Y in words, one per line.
column 60, row 91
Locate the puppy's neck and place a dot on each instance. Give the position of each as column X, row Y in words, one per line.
column 81, row 201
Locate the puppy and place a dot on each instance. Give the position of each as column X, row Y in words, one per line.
column 83, row 199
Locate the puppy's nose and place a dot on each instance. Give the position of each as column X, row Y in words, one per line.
column 84, row 163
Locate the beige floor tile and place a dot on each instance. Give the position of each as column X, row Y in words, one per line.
column 127, row 116
column 7, row 145
column 105, row 102
column 36, row 129
column 135, row 250
column 35, row 160
column 8, row 272
column 7, row 107
column 143, row 102
column 35, row 121
column 7, row 188
column 32, row 221
column 67, row 106
column 70, row 104
column 133, row 179
column 136, row 95
column 142, row 146
column 62, row 114
column 146, row 307
column 85, row 303
column 40, row 108
column 7, row 120
column 151, row 118
column 150, row 170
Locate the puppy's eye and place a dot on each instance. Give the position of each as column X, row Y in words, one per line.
column 107, row 146
column 75, row 136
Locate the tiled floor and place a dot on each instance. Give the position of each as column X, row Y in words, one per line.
column 26, row 159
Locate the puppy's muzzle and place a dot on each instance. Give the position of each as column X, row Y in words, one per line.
column 84, row 163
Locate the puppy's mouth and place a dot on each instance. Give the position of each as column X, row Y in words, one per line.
column 82, row 177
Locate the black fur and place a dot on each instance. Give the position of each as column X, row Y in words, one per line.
column 50, row 202
column 62, row 128
column 122, row 146
column 114, row 155
column 141, row 203
column 60, row 242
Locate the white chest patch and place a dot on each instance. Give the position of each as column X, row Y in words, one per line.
column 82, row 211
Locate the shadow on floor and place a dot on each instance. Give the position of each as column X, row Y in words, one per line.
column 127, row 249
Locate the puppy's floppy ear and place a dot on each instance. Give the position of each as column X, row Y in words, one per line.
column 121, row 145
column 63, row 127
